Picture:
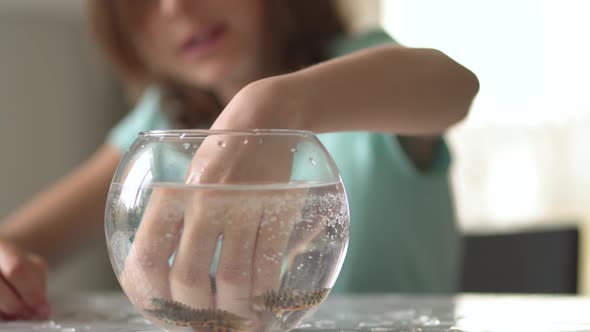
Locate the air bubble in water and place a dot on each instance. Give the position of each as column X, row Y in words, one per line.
column 293, row 150
column 260, row 141
column 182, row 136
column 245, row 141
column 221, row 144
column 313, row 162
column 186, row 146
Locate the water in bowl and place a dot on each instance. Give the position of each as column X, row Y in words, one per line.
column 228, row 258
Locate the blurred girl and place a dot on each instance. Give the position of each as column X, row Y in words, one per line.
column 380, row 108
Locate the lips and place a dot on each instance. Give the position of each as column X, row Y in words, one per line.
column 199, row 44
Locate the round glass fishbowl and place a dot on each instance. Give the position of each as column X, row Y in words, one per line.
column 227, row 230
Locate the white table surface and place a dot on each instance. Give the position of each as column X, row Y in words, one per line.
column 113, row 313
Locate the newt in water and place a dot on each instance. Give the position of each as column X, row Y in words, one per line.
column 216, row 320
column 286, row 300
column 200, row 320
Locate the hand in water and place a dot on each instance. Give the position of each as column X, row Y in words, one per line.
column 251, row 227
column 182, row 230
column 23, row 279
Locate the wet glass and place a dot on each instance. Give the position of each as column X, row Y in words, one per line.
column 227, row 230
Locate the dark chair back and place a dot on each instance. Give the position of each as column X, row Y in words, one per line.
column 527, row 262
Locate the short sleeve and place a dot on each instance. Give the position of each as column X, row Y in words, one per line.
column 440, row 162
column 144, row 117
column 391, row 146
column 350, row 44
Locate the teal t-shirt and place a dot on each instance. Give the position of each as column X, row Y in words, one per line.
column 403, row 236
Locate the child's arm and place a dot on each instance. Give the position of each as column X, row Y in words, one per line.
column 390, row 89
column 414, row 93
column 46, row 228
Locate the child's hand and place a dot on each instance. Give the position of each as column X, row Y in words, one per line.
column 255, row 225
column 23, row 279
column 272, row 103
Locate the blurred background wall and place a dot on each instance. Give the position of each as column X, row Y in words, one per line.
column 523, row 153
column 521, row 158
column 58, row 99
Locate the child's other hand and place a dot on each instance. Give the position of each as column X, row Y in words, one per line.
column 23, row 279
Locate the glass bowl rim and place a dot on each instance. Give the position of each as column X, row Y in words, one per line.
column 204, row 133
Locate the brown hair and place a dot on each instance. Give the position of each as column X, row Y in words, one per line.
column 303, row 28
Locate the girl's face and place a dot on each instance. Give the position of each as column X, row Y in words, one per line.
column 203, row 43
